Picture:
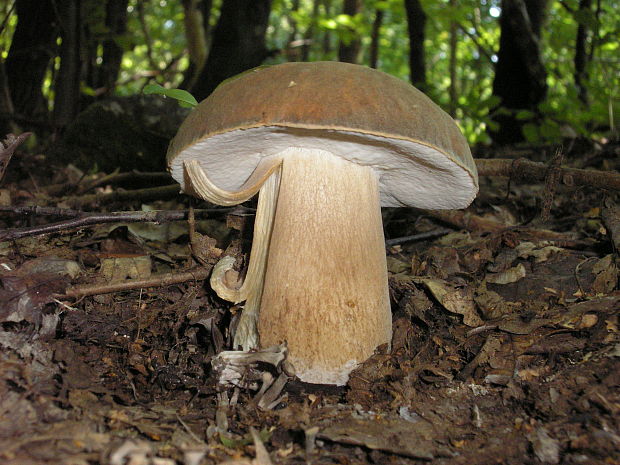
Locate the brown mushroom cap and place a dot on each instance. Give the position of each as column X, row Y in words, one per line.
column 361, row 114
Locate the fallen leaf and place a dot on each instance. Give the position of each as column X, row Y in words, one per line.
column 511, row 275
column 120, row 268
column 393, row 435
column 454, row 298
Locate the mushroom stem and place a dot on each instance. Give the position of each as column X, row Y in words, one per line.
column 325, row 289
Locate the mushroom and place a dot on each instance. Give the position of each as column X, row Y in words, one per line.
column 326, row 144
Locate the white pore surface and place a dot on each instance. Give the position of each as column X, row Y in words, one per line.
column 409, row 173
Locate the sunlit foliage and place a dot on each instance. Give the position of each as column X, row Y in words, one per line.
column 468, row 30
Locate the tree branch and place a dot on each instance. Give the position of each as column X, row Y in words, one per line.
column 530, row 171
column 82, row 219
column 195, row 274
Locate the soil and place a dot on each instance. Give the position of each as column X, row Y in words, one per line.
column 506, row 345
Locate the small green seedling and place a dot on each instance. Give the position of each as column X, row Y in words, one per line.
column 184, row 98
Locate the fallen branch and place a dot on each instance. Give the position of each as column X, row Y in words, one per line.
column 162, row 280
column 531, row 171
column 464, row 219
column 82, row 219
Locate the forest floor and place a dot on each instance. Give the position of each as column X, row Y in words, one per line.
column 506, row 346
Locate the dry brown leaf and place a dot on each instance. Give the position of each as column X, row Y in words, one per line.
column 120, row 268
column 454, row 298
column 511, row 275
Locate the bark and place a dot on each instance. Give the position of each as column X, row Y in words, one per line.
column 374, row 39
column 67, row 83
column 520, row 75
column 238, row 43
column 32, row 47
column 196, row 20
column 416, row 20
column 349, row 51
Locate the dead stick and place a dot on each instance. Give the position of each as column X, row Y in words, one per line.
column 466, row 220
column 195, row 274
column 463, row 219
column 531, row 171
column 82, row 219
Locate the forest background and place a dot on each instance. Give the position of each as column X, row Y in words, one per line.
column 508, row 71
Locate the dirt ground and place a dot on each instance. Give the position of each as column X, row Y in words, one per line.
column 506, row 345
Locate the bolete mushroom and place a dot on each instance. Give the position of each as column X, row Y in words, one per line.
column 327, row 144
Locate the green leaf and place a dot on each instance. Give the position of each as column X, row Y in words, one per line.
column 530, row 131
column 524, row 115
column 184, row 98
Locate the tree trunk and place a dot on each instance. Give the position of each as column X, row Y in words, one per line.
column 327, row 42
column 102, row 67
column 349, row 50
column 452, row 66
column 581, row 56
column 32, row 47
column 416, row 20
column 238, row 43
column 520, row 75
column 67, row 82
column 196, row 20
column 116, row 21
column 310, row 32
column 374, row 38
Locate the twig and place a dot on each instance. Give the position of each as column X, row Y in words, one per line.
column 8, row 147
column 189, row 430
column 465, row 220
column 81, row 219
column 527, row 170
column 162, row 280
column 418, row 237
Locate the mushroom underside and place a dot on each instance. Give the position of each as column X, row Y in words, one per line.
column 317, row 277
column 410, row 173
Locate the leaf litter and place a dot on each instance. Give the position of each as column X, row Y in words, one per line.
column 506, row 347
